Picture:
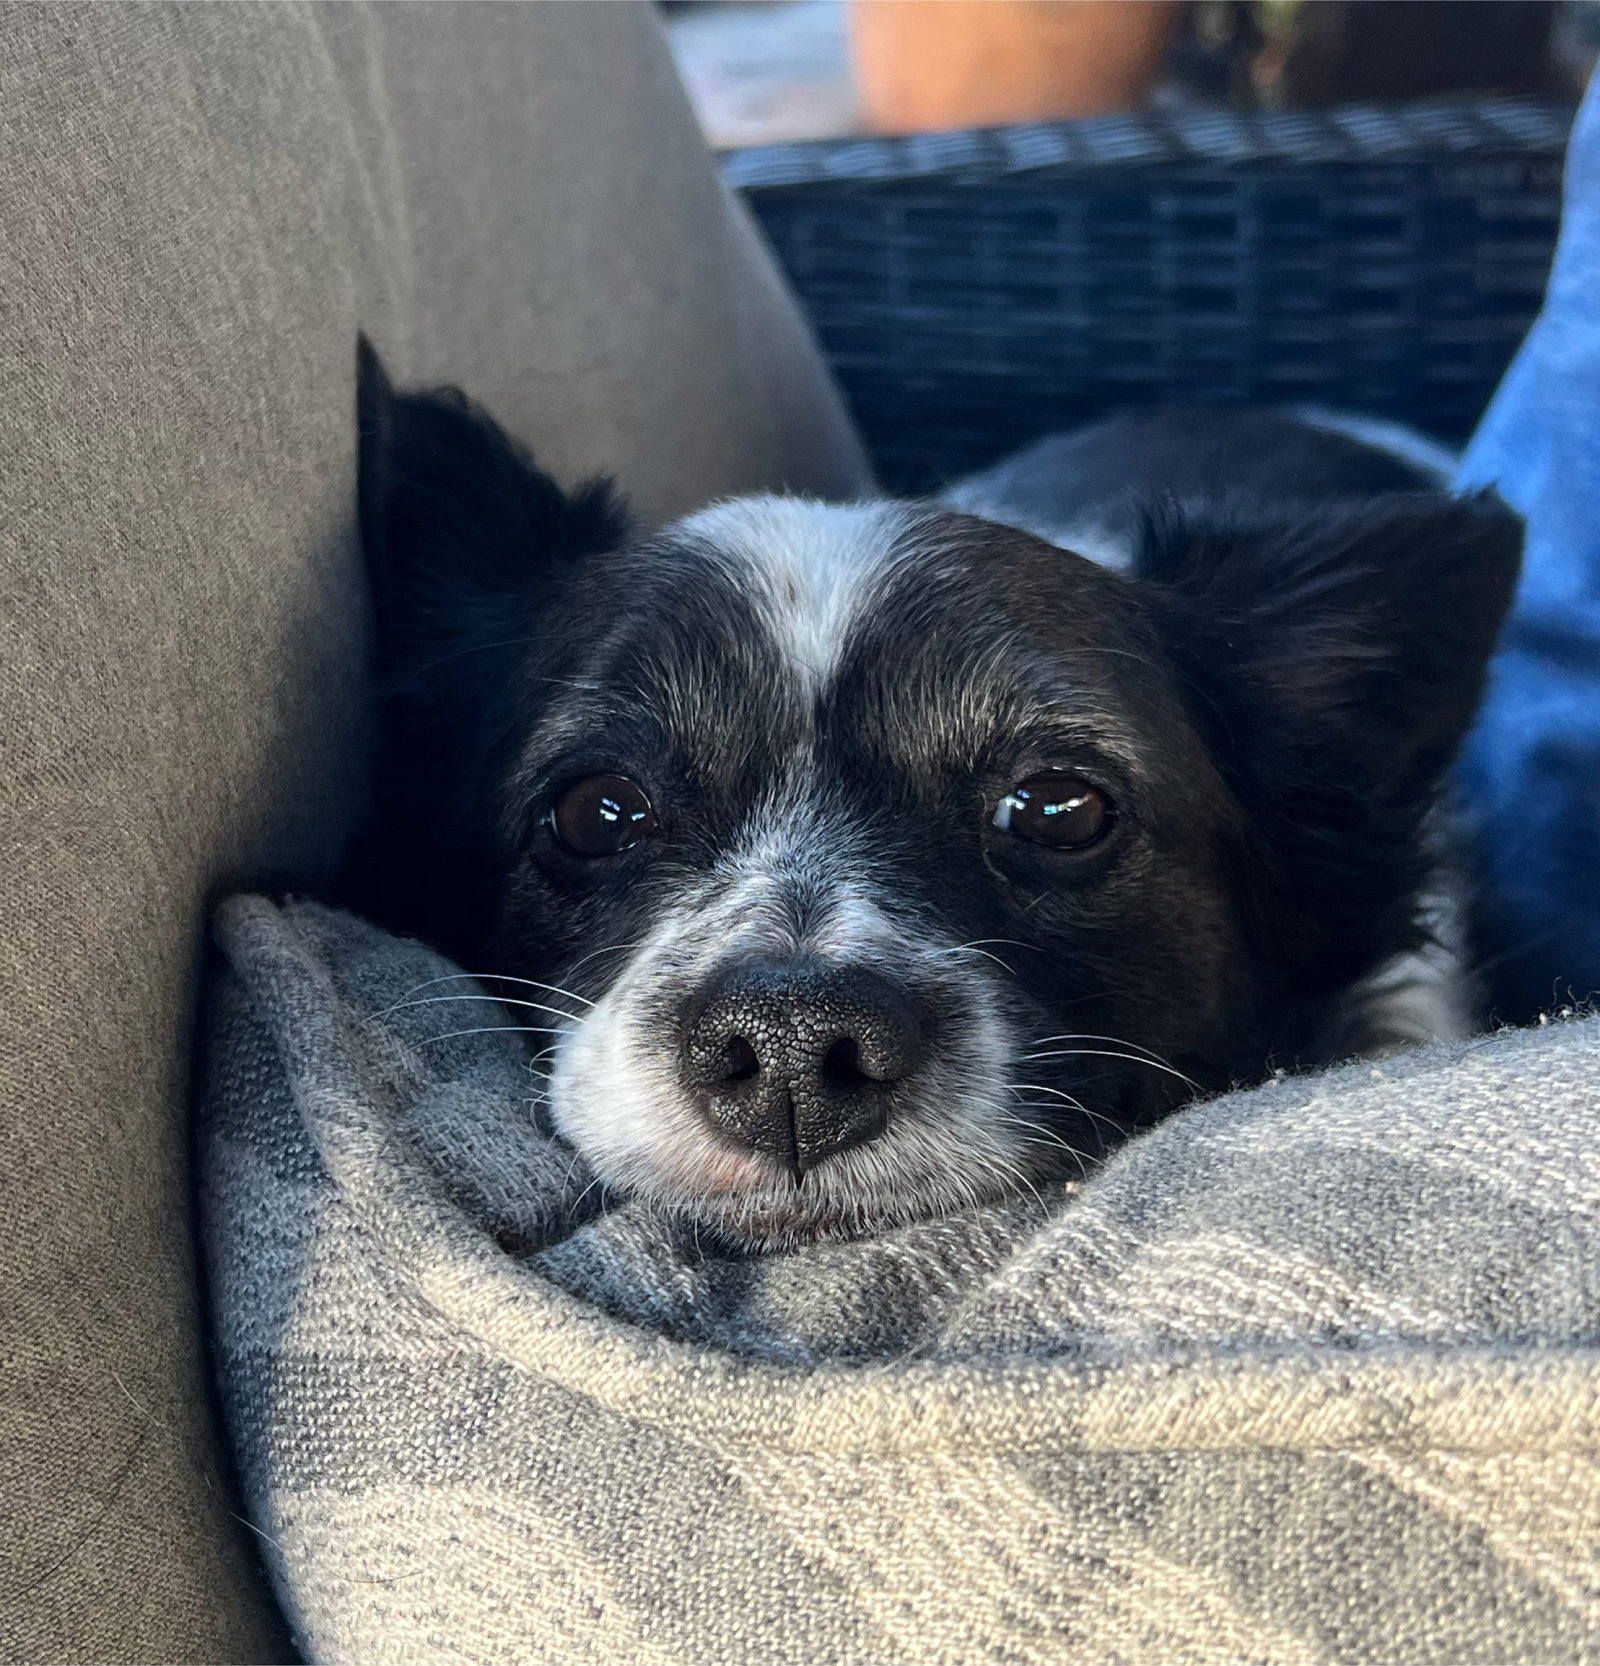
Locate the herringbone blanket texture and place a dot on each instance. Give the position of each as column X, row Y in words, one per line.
column 1306, row 1374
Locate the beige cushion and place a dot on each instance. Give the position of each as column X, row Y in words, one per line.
column 198, row 208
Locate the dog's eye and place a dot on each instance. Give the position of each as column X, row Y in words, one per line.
column 1063, row 812
column 602, row 814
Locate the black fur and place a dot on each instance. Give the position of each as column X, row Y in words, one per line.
column 466, row 541
column 1339, row 650
column 1271, row 698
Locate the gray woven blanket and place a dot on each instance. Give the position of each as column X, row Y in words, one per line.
column 1305, row 1374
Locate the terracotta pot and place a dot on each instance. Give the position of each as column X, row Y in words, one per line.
column 922, row 65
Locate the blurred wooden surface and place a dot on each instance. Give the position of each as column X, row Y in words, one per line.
column 923, row 65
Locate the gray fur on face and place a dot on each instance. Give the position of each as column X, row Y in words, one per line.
column 830, row 713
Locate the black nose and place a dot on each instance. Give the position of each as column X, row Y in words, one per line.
column 799, row 1060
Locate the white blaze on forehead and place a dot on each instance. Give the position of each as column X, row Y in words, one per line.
column 808, row 566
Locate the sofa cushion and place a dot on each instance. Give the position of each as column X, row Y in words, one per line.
column 199, row 206
column 1305, row 1373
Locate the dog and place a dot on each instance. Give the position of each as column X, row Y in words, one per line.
column 863, row 862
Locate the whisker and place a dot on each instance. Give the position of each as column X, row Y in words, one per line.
column 1053, row 1136
column 1115, row 1041
column 577, row 1203
column 1010, row 1175
column 1086, row 1035
column 610, row 948
column 496, row 977
column 572, row 1171
column 1128, row 1058
column 495, row 1000
column 1077, row 1105
column 499, row 1029
column 976, row 946
column 1055, row 1093
column 534, row 983
column 1050, row 1137
column 968, row 948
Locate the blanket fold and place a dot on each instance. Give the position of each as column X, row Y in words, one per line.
column 1307, row 1373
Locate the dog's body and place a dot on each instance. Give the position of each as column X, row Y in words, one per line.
column 875, row 859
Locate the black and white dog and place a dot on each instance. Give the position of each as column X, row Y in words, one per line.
column 867, row 860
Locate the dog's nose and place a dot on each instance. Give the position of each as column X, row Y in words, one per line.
column 799, row 1060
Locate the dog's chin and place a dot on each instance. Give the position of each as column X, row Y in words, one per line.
column 929, row 1165
column 781, row 1215
column 769, row 1220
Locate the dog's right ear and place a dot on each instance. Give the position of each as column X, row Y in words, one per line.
column 463, row 533
column 467, row 543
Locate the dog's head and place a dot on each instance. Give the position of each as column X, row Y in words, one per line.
column 867, row 860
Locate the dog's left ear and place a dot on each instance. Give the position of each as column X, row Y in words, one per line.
column 467, row 543
column 462, row 531
column 1337, row 657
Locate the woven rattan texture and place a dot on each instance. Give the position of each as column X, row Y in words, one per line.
column 974, row 290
